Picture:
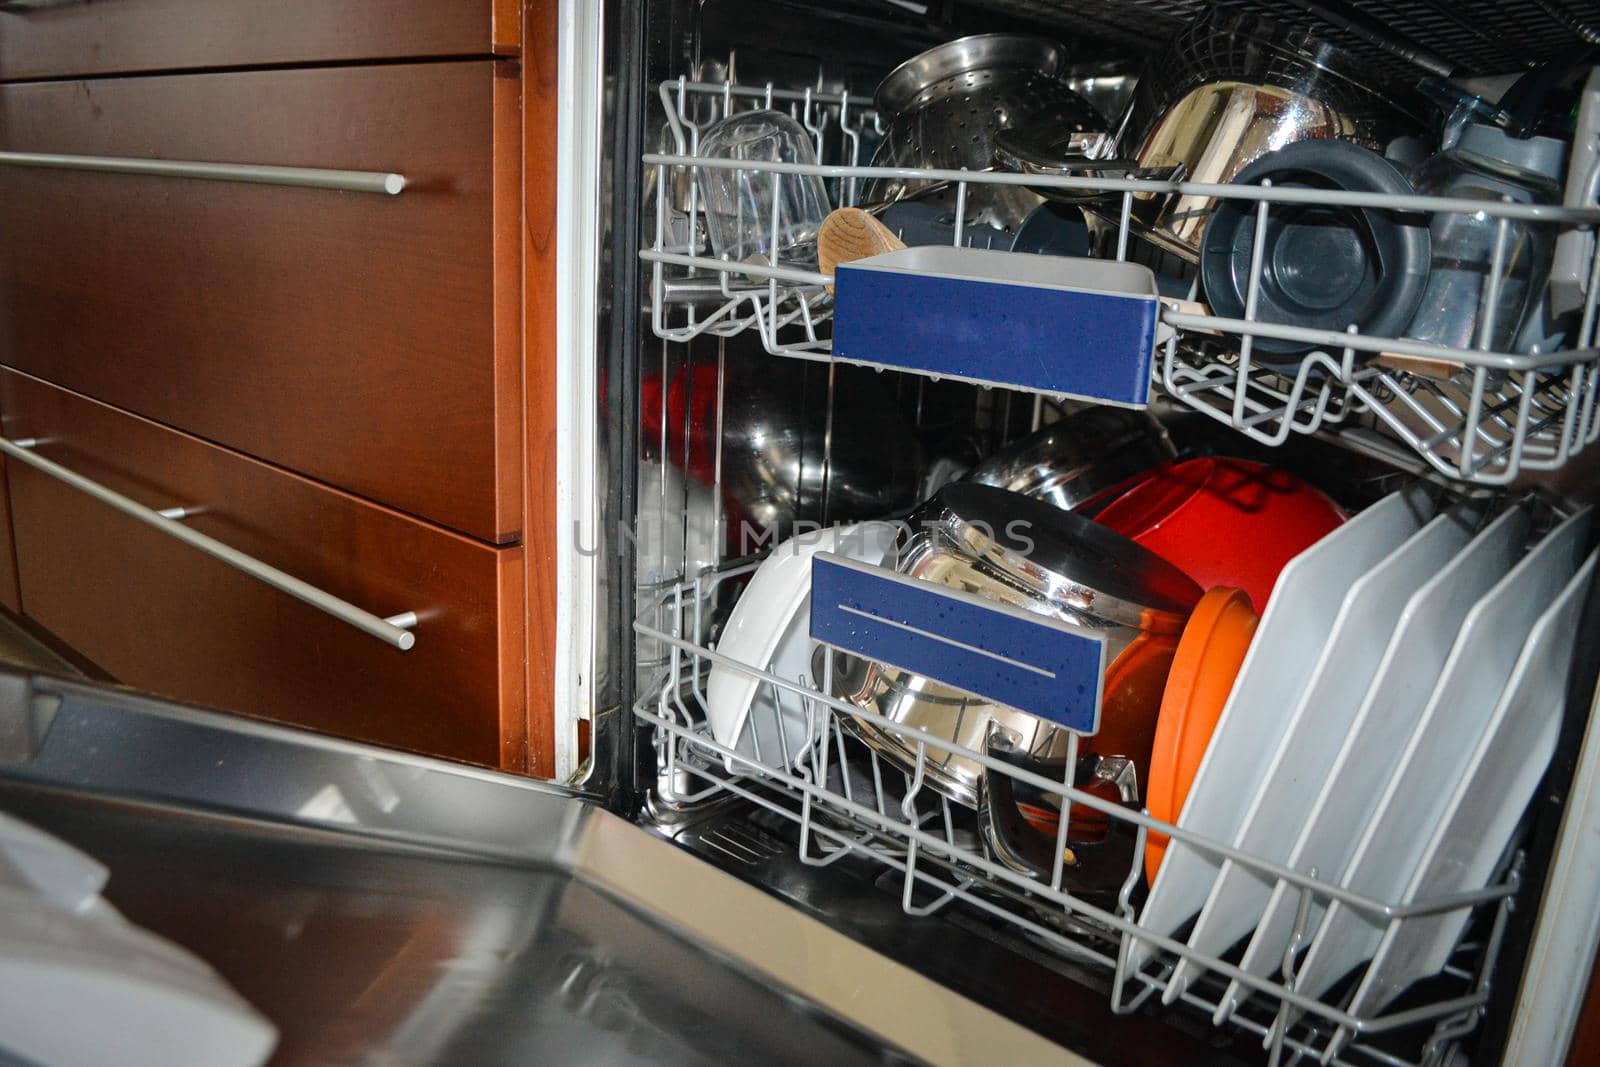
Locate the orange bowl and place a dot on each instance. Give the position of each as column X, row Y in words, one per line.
column 1224, row 521
column 1212, row 647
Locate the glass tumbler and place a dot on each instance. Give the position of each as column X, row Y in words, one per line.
column 740, row 202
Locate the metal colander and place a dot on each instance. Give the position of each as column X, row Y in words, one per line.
column 945, row 107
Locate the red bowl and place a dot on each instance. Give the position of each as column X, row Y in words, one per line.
column 1225, row 521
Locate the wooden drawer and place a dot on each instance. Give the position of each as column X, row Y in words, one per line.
column 159, row 615
column 55, row 38
column 10, row 596
column 366, row 340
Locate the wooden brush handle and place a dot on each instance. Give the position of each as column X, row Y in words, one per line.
column 850, row 233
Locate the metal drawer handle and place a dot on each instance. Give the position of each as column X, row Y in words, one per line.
column 395, row 630
column 354, row 181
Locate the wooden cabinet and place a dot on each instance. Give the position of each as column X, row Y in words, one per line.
column 1585, row 1047
column 334, row 378
column 159, row 615
column 10, row 597
column 55, row 38
column 368, row 341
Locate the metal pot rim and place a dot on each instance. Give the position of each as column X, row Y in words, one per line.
column 1074, row 566
column 900, row 90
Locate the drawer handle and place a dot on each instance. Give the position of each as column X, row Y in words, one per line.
column 395, row 630
column 354, row 181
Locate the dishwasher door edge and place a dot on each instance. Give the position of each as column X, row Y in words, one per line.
column 69, row 738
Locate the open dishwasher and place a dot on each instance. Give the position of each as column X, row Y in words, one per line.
column 1073, row 544
column 756, row 397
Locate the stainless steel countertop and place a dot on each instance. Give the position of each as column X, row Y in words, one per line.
column 385, row 908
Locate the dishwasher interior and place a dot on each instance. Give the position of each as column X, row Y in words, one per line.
column 1009, row 859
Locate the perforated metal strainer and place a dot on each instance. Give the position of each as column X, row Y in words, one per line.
column 946, row 106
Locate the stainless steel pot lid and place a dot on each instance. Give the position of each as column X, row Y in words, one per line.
column 1070, row 561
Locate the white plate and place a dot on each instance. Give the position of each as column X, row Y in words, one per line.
column 1288, row 639
column 768, row 630
column 1435, row 756
column 1486, row 804
column 1394, row 701
column 1297, row 772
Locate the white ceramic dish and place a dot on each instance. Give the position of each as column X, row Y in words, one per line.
column 1288, row 640
column 1376, row 737
column 1435, row 755
column 1297, row 772
column 1486, row 804
column 768, row 630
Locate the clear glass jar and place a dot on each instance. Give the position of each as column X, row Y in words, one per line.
column 1487, row 164
column 739, row 202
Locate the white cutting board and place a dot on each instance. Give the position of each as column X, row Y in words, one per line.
column 1413, row 802
column 1297, row 773
column 1394, row 702
column 1288, row 639
column 1487, row 803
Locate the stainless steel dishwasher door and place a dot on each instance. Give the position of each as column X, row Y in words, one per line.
column 383, row 908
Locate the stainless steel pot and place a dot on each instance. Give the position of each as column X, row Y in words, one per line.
column 1232, row 87
column 784, row 460
column 1080, row 460
column 1075, row 571
column 945, row 106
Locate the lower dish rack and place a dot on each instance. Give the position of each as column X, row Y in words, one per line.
column 845, row 799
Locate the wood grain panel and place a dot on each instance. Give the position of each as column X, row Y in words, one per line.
column 1585, row 1048
column 84, row 37
column 360, row 339
column 506, row 27
column 540, row 117
column 160, row 616
column 10, row 595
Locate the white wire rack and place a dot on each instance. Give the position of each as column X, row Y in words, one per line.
column 847, row 801
column 1489, row 417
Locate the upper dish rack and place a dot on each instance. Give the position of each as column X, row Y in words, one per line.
column 1488, row 419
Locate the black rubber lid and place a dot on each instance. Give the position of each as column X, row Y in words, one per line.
column 1324, row 267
